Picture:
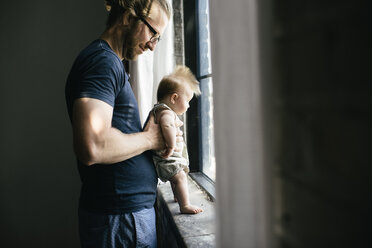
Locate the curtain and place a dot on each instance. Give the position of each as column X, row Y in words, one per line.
column 241, row 173
column 149, row 68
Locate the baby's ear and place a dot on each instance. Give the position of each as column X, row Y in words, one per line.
column 174, row 97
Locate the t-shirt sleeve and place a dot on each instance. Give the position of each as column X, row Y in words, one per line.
column 102, row 78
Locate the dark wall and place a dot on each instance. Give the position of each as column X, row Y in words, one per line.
column 39, row 183
column 323, row 106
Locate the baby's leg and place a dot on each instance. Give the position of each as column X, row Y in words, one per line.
column 174, row 191
column 182, row 194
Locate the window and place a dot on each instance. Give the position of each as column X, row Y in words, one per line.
column 200, row 115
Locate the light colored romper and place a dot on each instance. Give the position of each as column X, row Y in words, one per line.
column 178, row 161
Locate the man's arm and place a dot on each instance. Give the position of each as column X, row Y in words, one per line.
column 96, row 141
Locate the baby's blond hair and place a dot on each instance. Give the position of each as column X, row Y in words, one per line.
column 172, row 82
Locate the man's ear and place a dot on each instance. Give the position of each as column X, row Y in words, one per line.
column 174, row 97
column 128, row 18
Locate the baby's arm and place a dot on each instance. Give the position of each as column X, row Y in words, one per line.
column 166, row 120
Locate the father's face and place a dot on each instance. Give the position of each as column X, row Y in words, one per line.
column 138, row 38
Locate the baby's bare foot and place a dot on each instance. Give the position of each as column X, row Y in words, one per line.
column 190, row 209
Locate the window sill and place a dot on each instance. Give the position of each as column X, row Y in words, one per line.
column 205, row 183
column 184, row 230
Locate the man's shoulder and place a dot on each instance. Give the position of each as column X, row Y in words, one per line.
column 99, row 51
column 99, row 56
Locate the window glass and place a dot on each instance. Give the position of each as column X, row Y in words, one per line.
column 204, row 69
column 207, row 138
column 204, row 48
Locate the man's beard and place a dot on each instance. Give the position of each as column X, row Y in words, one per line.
column 130, row 43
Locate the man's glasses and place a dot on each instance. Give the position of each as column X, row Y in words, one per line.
column 156, row 37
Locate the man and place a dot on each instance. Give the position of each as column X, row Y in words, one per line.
column 115, row 165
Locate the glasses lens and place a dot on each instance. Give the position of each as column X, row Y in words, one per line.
column 155, row 39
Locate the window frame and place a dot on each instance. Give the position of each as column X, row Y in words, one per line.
column 194, row 125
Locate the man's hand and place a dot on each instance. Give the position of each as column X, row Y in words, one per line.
column 155, row 136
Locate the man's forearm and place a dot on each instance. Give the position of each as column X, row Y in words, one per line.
column 96, row 141
column 113, row 146
column 116, row 146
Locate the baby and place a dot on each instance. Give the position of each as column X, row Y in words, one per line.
column 174, row 94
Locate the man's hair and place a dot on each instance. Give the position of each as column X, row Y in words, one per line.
column 174, row 81
column 138, row 8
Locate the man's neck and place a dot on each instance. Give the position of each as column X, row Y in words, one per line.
column 111, row 36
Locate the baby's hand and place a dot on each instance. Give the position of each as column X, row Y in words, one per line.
column 167, row 152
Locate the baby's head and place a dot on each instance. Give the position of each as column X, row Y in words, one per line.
column 177, row 89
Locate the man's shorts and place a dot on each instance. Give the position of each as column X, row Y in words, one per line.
column 137, row 229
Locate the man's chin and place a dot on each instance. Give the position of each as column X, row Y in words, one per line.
column 134, row 58
column 131, row 56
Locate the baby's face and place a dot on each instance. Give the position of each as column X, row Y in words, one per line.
column 181, row 104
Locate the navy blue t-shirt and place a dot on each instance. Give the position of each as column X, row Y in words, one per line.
column 129, row 185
